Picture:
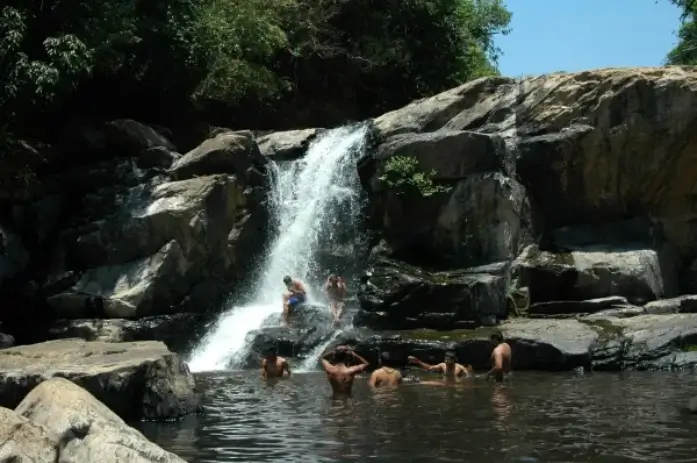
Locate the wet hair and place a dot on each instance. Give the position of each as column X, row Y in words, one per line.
column 496, row 337
column 341, row 356
column 287, row 280
column 332, row 277
column 450, row 355
column 271, row 350
column 384, row 358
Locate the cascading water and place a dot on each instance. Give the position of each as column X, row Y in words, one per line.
column 315, row 207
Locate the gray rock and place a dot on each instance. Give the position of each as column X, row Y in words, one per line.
column 399, row 296
column 129, row 137
column 227, row 153
column 177, row 331
column 591, row 272
column 287, row 145
column 136, row 380
column 682, row 304
column 82, row 428
column 23, row 440
column 578, row 307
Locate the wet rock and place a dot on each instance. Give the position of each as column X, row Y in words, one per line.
column 553, row 308
column 136, row 380
column 177, row 331
column 23, row 440
column 401, row 296
column 6, row 340
column 227, row 153
column 80, row 428
column 287, row 145
column 309, row 327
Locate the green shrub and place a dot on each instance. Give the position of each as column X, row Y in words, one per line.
column 401, row 174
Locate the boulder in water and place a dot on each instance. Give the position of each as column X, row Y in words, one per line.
column 136, row 380
column 286, row 145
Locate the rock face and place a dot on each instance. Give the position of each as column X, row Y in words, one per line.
column 135, row 380
column 123, row 226
column 595, row 342
column 287, row 145
column 580, row 185
column 61, row 422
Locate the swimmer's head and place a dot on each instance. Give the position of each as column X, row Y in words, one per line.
column 287, row 280
column 341, row 354
column 271, row 353
column 496, row 338
column 450, row 357
column 333, row 278
column 384, row 358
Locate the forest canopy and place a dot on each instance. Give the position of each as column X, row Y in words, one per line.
column 283, row 62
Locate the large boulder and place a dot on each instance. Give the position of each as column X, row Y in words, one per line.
column 400, row 296
column 178, row 331
column 286, row 145
column 135, row 380
column 81, row 428
column 164, row 244
column 23, row 440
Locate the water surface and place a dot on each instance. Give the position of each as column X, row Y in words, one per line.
column 535, row 418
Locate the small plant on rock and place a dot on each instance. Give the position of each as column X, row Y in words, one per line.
column 401, row 173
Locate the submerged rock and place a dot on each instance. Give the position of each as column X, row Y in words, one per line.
column 135, row 380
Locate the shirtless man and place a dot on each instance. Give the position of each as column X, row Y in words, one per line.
column 274, row 366
column 450, row 368
column 385, row 376
column 336, row 292
column 500, row 358
column 295, row 294
column 339, row 374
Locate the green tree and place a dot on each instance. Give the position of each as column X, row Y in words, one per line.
column 685, row 52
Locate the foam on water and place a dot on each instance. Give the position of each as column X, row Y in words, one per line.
column 314, row 201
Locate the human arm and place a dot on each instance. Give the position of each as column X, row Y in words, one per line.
column 425, row 366
column 373, row 380
column 286, row 368
column 263, row 369
column 328, row 367
column 497, row 364
column 361, row 366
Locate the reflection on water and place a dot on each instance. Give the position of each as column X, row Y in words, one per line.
column 533, row 418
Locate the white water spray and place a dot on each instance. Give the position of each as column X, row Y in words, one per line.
column 313, row 199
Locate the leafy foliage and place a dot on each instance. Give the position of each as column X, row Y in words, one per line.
column 685, row 52
column 402, row 174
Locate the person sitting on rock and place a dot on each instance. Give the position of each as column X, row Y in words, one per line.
column 449, row 367
column 273, row 366
column 296, row 294
column 500, row 358
column 339, row 374
column 336, row 290
column 385, row 375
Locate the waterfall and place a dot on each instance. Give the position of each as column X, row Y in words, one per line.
column 315, row 206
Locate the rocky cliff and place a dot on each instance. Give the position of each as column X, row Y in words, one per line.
column 559, row 196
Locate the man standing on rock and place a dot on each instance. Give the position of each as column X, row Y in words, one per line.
column 336, row 290
column 274, row 366
column 340, row 375
column 450, row 368
column 500, row 358
column 385, row 375
column 295, row 295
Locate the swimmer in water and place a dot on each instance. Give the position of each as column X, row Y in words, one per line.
column 500, row 358
column 449, row 367
column 339, row 374
column 274, row 366
column 385, row 375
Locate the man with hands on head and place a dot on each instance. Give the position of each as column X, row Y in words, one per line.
column 339, row 373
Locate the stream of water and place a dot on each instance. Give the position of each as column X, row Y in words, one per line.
column 315, row 208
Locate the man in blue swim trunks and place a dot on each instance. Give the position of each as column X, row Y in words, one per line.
column 296, row 294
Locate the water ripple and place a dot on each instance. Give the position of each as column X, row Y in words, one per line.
column 537, row 418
